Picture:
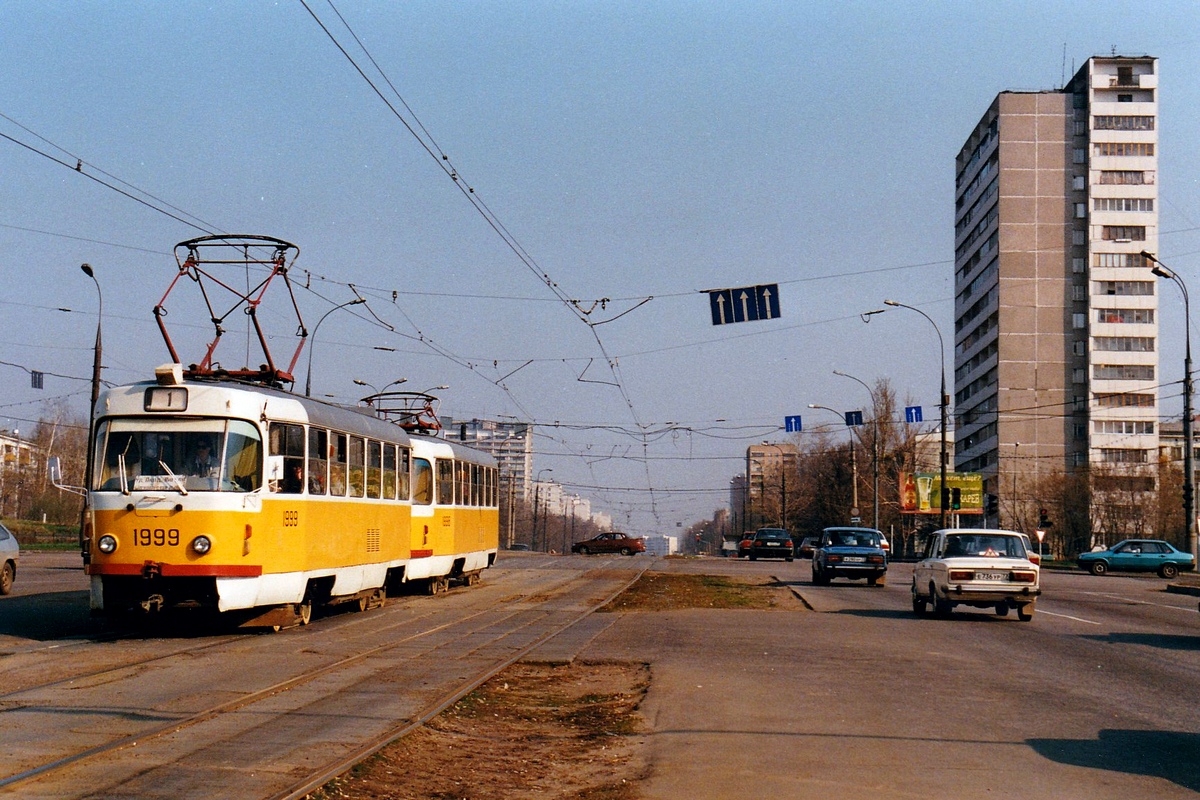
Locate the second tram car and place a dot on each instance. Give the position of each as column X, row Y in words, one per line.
column 235, row 497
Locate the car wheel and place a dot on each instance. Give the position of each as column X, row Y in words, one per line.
column 1025, row 612
column 753, row 557
column 583, row 551
column 941, row 607
column 625, row 551
column 789, row 558
column 1001, row 609
column 7, row 573
column 920, row 604
column 1098, row 567
column 1169, row 571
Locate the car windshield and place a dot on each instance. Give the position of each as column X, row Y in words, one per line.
column 177, row 455
column 985, row 545
column 772, row 535
column 853, row 539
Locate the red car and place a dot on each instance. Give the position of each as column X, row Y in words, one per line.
column 610, row 543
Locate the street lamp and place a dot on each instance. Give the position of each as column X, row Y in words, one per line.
column 874, row 442
column 97, row 352
column 854, row 510
column 1189, row 478
column 396, row 382
column 312, row 345
column 945, row 401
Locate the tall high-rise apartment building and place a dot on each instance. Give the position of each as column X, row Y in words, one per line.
column 1055, row 318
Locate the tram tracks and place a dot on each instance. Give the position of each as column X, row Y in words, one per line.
column 343, row 691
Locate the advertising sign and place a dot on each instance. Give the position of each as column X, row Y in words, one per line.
column 921, row 492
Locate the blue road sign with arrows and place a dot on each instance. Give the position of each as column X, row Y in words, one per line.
column 853, row 418
column 792, row 424
column 912, row 414
column 745, row 304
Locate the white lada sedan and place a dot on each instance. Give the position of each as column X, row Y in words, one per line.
column 976, row 567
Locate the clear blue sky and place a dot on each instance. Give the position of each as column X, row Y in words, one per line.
column 633, row 150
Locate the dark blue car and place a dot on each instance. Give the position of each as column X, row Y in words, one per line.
column 850, row 553
column 1137, row 555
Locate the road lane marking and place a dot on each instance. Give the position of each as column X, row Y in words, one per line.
column 1187, row 608
column 1068, row 616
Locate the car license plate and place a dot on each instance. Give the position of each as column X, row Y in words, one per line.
column 856, row 559
column 997, row 577
column 774, row 544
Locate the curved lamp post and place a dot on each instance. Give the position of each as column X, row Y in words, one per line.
column 874, row 442
column 854, row 510
column 944, row 402
column 1189, row 477
column 97, row 354
column 312, row 344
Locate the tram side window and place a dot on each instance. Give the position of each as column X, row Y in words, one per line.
column 402, row 472
column 339, row 456
column 422, row 482
column 243, row 456
column 476, row 485
column 357, row 452
column 389, row 472
column 374, row 467
column 318, row 460
column 288, row 441
column 445, row 482
column 462, row 491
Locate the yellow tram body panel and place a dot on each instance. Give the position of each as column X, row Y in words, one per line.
column 241, row 536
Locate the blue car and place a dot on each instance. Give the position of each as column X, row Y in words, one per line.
column 850, row 553
column 1137, row 555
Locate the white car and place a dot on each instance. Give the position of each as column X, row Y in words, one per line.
column 10, row 551
column 976, row 567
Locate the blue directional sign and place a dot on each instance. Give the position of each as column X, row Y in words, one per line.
column 792, row 424
column 746, row 304
column 853, row 418
column 912, row 414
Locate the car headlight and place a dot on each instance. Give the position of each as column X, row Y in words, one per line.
column 201, row 544
column 107, row 543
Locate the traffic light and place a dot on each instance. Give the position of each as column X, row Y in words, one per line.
column 993, row 505
column 956, row 498
column 1044, row 519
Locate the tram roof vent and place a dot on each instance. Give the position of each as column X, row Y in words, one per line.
column 169, row 374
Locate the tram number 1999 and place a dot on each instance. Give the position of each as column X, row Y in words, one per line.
column 158, row 537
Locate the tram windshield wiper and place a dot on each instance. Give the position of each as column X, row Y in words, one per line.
column 121, row 468
column 178, row 481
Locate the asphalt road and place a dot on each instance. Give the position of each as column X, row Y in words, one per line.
column 1095, row 698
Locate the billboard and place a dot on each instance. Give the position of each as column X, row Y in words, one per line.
column 921, row 492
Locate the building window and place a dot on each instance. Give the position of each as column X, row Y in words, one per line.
column 1079, row 156
column 1078, row 265
column 1079, row 348
column 1126, row 316
column 1123, row 372
column 1124, row 98
column 1123, row 204
column 1120, row 260
column 1123, row 427
column 1125, row 400
column 1078, row 293
column 1080, row 210
column 1124, row 344
column 1125, row 288
column 1130, row 233
column 1079, row 321
column 1123, row 122
column 1123, row 148
column 1079, row 375
column 1127, row 177
column 1079, row 183
column 1122, row 455
column 1079, row 238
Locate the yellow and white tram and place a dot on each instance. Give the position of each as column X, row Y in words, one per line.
column 242, row 498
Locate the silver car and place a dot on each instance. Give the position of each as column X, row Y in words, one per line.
column 10, row 551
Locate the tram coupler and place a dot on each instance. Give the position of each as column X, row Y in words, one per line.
column 152, row 604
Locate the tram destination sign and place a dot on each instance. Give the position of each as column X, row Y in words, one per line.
column 744, row 304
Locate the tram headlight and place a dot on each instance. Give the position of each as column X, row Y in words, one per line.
column 107, row 543
column 201, row 544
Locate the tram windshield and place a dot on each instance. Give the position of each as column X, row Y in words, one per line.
column 181, row 455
